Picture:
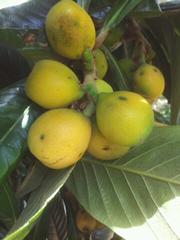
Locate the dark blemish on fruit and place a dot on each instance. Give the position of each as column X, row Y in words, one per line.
column 106, row 148
column 122, row 98
column 42, row 136
column 141, row 73
column 76, row 24
column 155, row 69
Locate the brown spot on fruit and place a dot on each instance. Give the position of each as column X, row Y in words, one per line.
column 122, row 98
column 106, row 148
column 155, row 69
column 42, row 136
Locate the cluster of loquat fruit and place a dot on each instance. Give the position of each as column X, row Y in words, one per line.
column 119, row 120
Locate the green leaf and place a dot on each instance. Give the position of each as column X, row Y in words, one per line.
column 148, row 8
column 16, row 115
column 116, row 75
column 40, row 230
column 32, row 180
column 118, row 12
column 34, row 54
column 84, row 4
column 31, row 44
column 11, row 37
column 136, row 196
column 38, row 201
column 13, row 66
column 162, row 58
column 8, row 206
column 166, row 31
column 173, row 44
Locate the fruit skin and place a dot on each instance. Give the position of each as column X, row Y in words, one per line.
column 69, row 29
column 102, row 149
column 85, row 222
column 124, row 117
column 149, row 81
column 51, row 84
column 101, row 63
column 103, row 87
column 59, row 137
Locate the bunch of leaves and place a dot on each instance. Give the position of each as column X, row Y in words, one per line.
column 136, row 196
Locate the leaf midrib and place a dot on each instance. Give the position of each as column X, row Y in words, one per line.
column 13, row 125
column 129, row 170
column 110, row 20
column 10, row 203
column 116, row 66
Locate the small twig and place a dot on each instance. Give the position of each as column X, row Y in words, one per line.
column 89, row 84
column 101, row 38
column 125, row 49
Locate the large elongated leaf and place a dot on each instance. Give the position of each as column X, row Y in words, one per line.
column 148, row 8
column 32, row 45
column 8, row 206
column 51, row 185
column 13, row 66
column 40, row 230
column 118, row 12
column 32, row 180
column 116, row 75
column 137, row 196
column 16, row 115
column 166, row 29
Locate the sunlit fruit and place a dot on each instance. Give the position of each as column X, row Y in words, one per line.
column 103, row 87
column 103, row 149
column 101, row 63
column 51, row 84
column 70, row 30
column 59, row 137
column 149, row 81
column 124, row 117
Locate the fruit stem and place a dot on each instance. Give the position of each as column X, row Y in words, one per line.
column 88, row 60
column 101, row 38
column 89, row 110
column 89, row 84
column 142, row 59
column 89, row 87
column 125, row 49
